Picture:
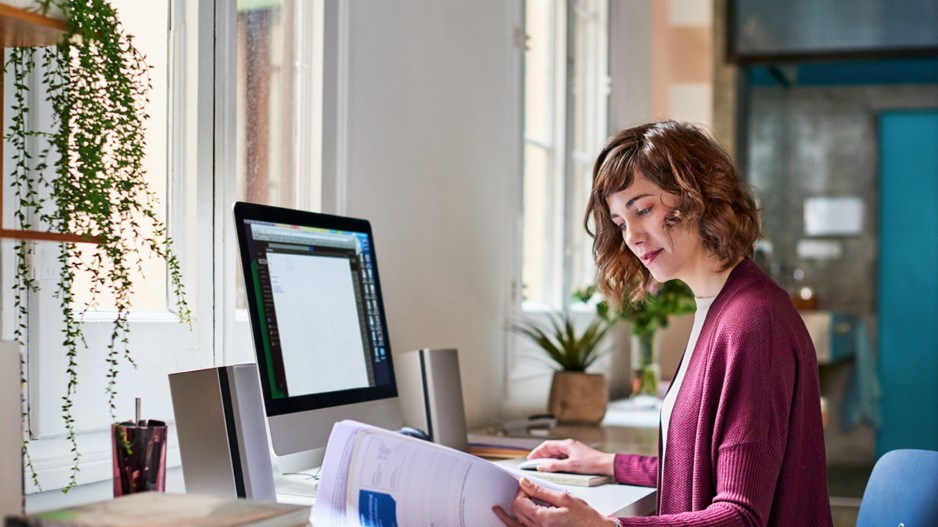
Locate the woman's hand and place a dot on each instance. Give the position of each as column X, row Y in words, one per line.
column 562, row 509
column 573, row 456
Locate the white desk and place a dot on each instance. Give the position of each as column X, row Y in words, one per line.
column 612, row 436
column 621, row 500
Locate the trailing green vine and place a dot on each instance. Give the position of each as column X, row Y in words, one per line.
column 25, row 192
column 88, row 179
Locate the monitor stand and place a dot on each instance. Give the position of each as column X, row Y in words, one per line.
column 296, row 476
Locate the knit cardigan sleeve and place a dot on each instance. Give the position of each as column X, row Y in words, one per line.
column 632, row 469
column 751, row 374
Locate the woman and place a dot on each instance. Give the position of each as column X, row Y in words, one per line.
column 741, row 440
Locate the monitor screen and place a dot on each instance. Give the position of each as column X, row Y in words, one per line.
column 317, row 316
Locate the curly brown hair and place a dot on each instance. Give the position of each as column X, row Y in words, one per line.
column 684, row 161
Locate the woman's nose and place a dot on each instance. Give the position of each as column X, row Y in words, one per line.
column 633, row 236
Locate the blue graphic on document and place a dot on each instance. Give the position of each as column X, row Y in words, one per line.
column 376, row 509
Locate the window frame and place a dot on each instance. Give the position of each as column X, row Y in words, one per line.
column 233, row 333
column 567, row 217
column 525, row 360
column 49, row 450
column 199, row 195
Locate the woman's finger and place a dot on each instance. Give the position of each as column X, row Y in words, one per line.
column 547, row 449
column 537, row 493
column 506, row 518
column 556, row 465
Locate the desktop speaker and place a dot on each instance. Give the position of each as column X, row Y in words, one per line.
column 11, row 433
column 430, row 392
column 220, row 423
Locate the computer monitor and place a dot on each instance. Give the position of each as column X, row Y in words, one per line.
column 320, row 334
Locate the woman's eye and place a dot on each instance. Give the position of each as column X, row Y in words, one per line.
column 642, row 212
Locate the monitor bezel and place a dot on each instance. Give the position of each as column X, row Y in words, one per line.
column 244, row 211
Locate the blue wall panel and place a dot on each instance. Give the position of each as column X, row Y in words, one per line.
column 908, row 280
column 848, row 73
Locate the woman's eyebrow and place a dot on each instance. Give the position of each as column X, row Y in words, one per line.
column 628, row 204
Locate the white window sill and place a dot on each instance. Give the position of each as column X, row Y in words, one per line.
column 91, row 492
column 52, row 460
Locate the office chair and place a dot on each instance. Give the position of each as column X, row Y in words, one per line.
column 902, row 490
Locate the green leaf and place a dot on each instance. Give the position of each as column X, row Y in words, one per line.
column 560, row 341
column 651, row 313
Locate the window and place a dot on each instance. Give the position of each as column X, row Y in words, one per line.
column 236, row 114
column 158, row 342
column 565, row 91
column 147, row 23
column 279, row 66
column 279, row 102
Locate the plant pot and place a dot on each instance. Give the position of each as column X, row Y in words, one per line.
column 646, row 348
column 578, row 397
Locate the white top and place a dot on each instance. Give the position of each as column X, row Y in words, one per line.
column 703, row 306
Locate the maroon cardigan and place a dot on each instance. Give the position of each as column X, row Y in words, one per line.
column 745, row 442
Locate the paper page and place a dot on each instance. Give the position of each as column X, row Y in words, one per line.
column 379, row 478
column 333, row 478
column 399, row 482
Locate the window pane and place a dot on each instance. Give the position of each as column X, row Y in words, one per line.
column 564, row 115
column 582, row 75
column 278, row 112
column 537, row 218
column 147, row 22
column 589, row 128
column 279, row 106
column 265, row 174
column 583, row 269
column 589, row 80
column 538, row 71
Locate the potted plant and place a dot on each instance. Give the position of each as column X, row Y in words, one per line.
column 646, row 316
column 88, row 178
column 575, row 395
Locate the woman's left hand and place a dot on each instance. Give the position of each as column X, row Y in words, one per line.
column 564, row 510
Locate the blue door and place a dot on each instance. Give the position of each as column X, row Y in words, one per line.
column 907, row 296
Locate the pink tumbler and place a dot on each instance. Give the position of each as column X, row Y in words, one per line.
column 139, row 456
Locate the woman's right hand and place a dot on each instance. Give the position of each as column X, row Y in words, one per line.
column 573, row 456
column 536, row 506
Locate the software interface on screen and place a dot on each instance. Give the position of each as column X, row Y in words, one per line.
column 318, row 309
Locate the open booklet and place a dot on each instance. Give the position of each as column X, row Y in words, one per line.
column 372, row 476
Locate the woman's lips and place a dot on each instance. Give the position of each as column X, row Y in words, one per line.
column 650, row 255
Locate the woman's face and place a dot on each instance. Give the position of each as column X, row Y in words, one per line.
column 640, row 211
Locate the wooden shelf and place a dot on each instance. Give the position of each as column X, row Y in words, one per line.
column 47, row 236
column 19, row 28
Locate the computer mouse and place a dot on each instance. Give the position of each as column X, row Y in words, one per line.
column 532, row 464
column 414, row 432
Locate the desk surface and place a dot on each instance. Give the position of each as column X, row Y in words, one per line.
column 621, row 500
column 612, row 436
column 625, row 429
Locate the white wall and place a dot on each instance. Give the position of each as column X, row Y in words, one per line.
column 433, row 163
column 629, row 64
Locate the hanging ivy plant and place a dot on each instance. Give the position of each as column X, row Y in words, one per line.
column 87, row 178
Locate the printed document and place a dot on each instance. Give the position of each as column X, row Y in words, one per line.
column 375, row 477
